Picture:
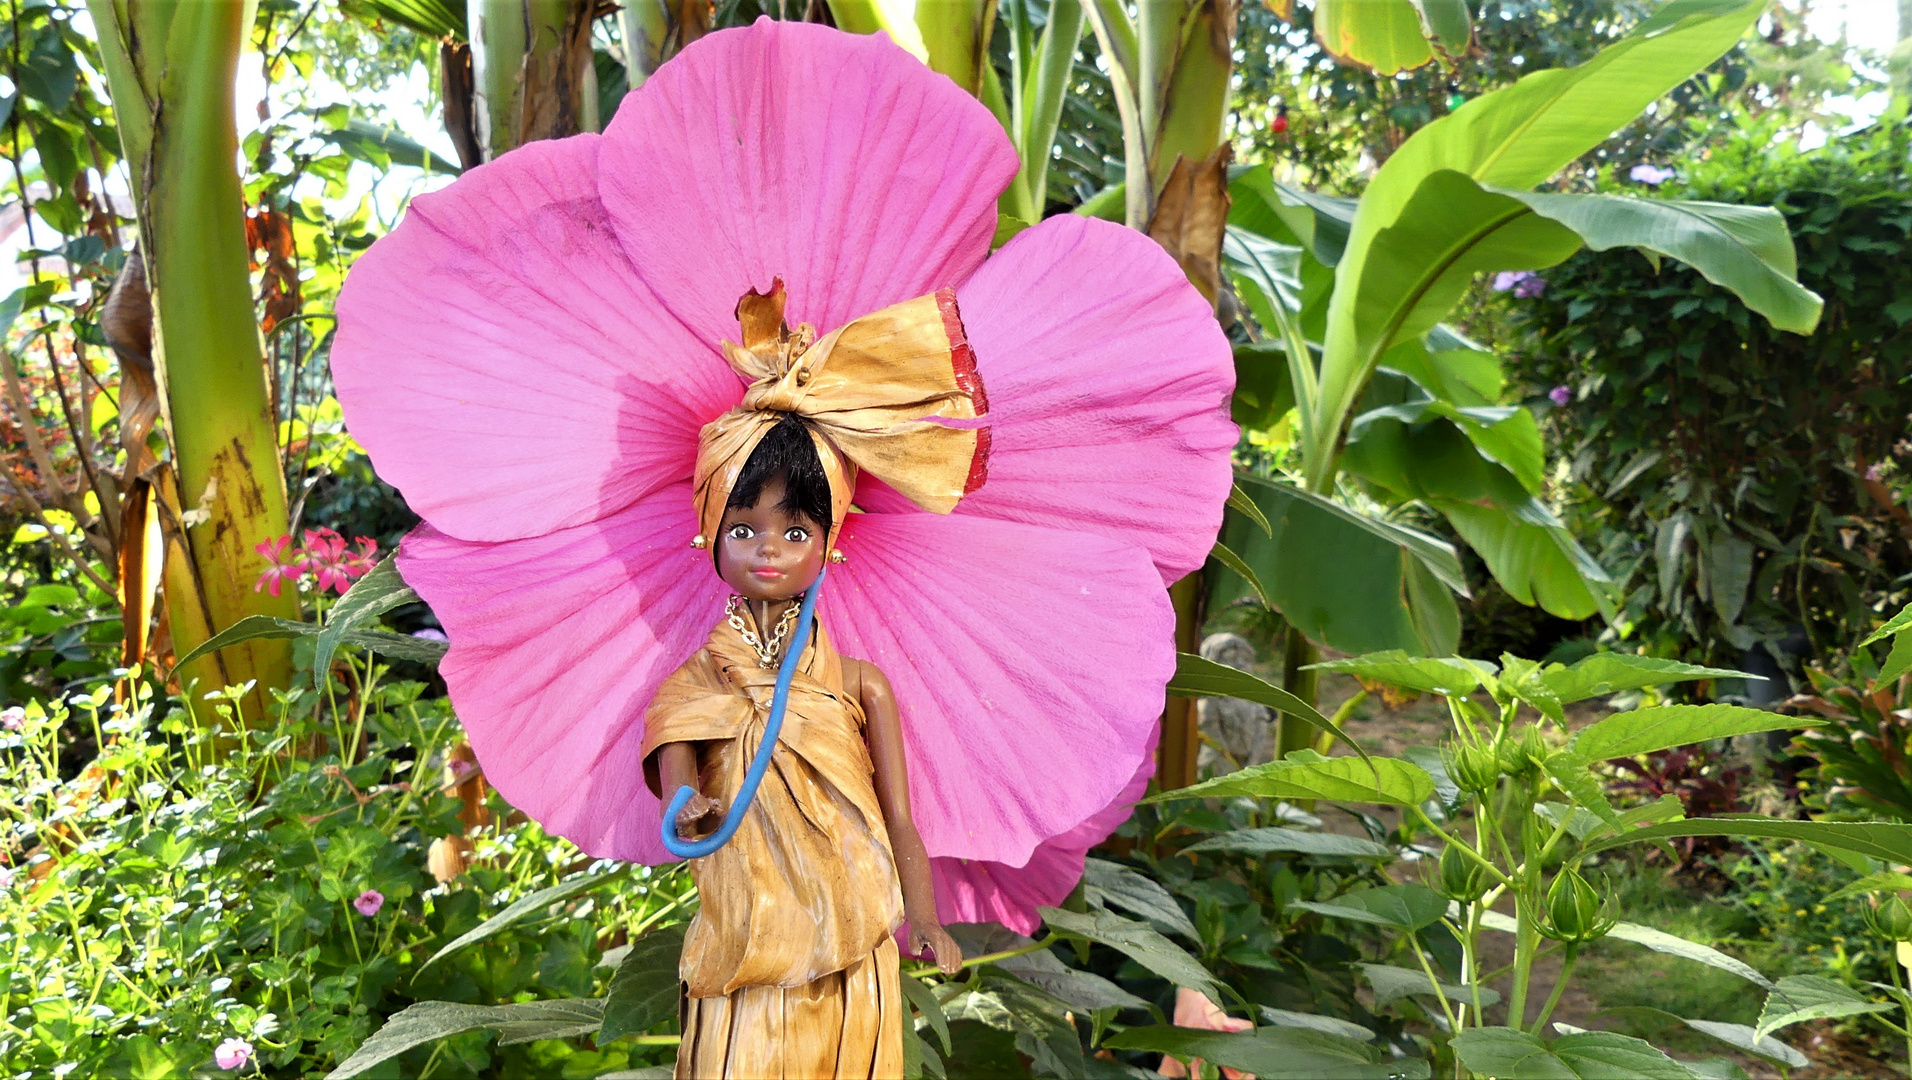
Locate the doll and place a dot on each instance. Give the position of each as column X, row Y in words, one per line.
column 789, row 967
column 837, row 833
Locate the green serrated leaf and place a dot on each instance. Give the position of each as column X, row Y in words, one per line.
column 1897, row 623
column 1886, row 881
column 928, row 1007
column 1407, row 906
column 1228, row 558
column 1510, row 1054
column 1887, row 841
column 1271, row 841
column 528, row 906
column 1107, row 884
column 1663, row 727
column 1450, row 676
column 1138, row 942
column 429, row 1021
column 379, row 591
column 1197, row 676
column 1272, row 1053
column 644, row 990
column 1391, row 984
column 1797, row 998
column 1239, row 500
column 247, row 629
column 1387, row 781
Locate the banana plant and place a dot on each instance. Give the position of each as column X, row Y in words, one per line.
column 1350, row 296
column 223, row 491
column 1389, row 36
column 1169, row 68
column 531, row 70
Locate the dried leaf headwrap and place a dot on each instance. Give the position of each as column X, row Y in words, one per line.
column 867, row 391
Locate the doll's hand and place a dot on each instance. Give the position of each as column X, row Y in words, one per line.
column 699, row 815
column 935, row 939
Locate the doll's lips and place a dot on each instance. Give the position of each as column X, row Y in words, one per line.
column 766, row 572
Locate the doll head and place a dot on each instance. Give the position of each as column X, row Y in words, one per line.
column 777, row 519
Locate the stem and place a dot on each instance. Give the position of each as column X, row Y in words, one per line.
column 1526, row 939
column 1559, row 987
column 989, row 958
column 1499, row 877
column 1297, row 653
column 1905, row 1003
column 1440, row 995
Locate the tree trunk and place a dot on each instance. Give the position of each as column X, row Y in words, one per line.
column 171, row 70
column 531, row 72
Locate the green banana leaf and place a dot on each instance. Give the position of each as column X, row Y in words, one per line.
column 1354, row 583
column 1426, row 222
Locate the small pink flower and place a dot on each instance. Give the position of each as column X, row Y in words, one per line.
column 12, row 717
column 232, row 1054
column 461, row 768
column 1507, row 280
column 6, row 878
column 1650, row 175
column 327, row 556
column 369, row 902
column 286, row 564
column 1193, row 1009
column 1530, row 286
column 1872, row 473
column 1560, row 395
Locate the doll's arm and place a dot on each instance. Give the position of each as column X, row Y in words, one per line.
column 678, row 763
column 885, row 735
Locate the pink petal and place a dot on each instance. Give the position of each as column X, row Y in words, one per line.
column 1108, row 383
column 505, row 365
column 557, row 645
column 837, row 161
column 972, row 891
column 1029, row 664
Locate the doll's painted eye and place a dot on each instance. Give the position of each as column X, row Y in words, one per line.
column 740, row 531
column 796, row 534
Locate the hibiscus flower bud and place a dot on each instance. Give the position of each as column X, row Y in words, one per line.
column 1575, row 911
column 1461, row 876
column 1522, row 757
column 1891, row 919
column 1473, row 768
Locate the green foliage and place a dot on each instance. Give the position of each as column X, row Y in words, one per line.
column 1720, row 465
column 203, row 883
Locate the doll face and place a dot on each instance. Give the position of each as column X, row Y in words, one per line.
column 765, row 552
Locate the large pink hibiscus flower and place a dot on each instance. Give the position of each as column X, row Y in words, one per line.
column 529, row 357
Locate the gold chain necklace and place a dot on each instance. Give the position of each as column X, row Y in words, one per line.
column 766, row 652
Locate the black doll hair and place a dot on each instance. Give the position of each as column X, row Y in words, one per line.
column 787, row 451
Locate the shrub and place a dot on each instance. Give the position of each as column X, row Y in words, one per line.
column 188, row 890
column 1745, row 485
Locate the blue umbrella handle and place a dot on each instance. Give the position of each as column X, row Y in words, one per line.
column 747, row 791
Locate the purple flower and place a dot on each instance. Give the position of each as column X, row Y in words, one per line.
column 1530, row 286
column 430, row 633
column 1873, row 473
column 12, row 717
column 1508, row 279
column 1650, row 175
column 1560, row 395
column 368, row 902
column 232, row 1054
